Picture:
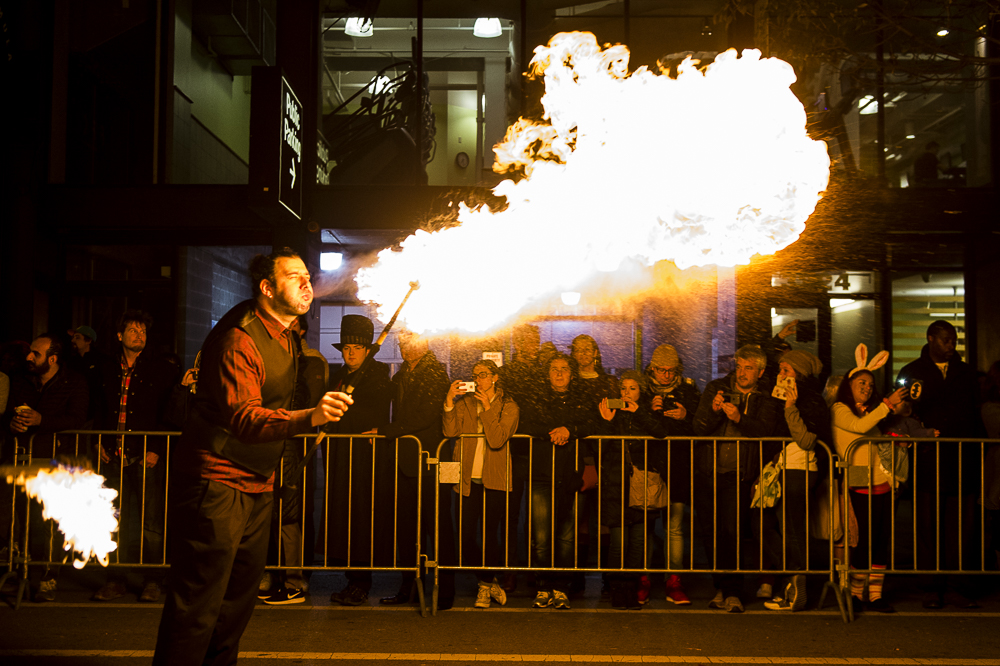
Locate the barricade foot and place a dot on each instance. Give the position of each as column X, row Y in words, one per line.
column 838, row 594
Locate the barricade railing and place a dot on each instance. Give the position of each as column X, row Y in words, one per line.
column 143, row 503
column 942, row 484
column 690, row 462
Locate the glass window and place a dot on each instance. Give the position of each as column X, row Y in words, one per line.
column 918, row 299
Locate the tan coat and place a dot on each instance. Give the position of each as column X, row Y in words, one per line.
column 499, row 423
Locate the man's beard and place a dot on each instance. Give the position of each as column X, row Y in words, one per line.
column 284, row 306
column 42, row 367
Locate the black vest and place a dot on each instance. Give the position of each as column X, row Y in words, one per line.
column 280, row 370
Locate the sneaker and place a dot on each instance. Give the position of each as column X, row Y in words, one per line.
column 734, row 605
column 718, row 601
column 266, row 583
column 796, row 592
column 352, row 595
column 285, row 596
column 483, row 596
column 543, row 599
column 778, row 604
column 109, row 592
column 46, row 591
column 560, row 600
column 151, row 592
column 675, row 593
column 642, row 590
column 765, row 591
column 497, row 593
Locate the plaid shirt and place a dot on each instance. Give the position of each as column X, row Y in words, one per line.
column 123, row 405
column 234, row 370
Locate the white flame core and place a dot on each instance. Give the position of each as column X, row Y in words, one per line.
column 712, row 167
column 84, row 509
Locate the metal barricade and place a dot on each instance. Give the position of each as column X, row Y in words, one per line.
column 941, row 482
column 703, row 493
column 32, row 542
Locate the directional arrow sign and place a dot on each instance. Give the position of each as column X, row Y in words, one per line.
column 290, row 188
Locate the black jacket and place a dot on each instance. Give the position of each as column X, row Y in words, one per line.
column 949, row 404
column 148, row 392
column 759, row 415
column 417, row 401
column 679, row 461
column 551, row 410
column 62, row 403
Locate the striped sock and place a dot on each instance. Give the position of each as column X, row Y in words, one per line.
column 858, row 584
column 875, row 581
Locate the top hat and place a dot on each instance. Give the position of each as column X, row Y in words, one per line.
column 355, row 330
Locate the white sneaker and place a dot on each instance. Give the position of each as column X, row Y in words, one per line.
column 560, row 600
column 543, row 599
column 718, row 601
column 765, row 591
column 483, row 596
column 497, row 593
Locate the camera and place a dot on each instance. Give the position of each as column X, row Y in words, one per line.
column 734, row 398
column 616, row 403
column 467, row 387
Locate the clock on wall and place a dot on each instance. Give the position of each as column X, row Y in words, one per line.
column 462, row 160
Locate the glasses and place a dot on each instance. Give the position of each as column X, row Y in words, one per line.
column 664, row 371
column 482, row 375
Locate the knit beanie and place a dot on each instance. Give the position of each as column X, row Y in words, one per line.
column 665, row 356
column 804, row 363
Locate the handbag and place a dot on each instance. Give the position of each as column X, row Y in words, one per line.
column 767, row 490
column 647, row 490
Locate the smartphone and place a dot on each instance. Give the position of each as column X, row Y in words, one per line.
column 467, row 387
column 781, row 387
column 616, row 403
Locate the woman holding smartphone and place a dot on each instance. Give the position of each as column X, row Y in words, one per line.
column 486, row 472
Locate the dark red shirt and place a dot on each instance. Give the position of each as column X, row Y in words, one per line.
column 234, row 370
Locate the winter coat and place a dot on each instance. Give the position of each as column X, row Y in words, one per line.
column 499, row 423
column 148, row 391
column 949, row 404
column 553, row 410
column 417, row 396
column 679, row 462
column 759, row 416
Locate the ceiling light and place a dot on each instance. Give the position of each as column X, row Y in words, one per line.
column 911, row 136
column 359, row 27
column 330, row 261
column 487, row 27
column 570, row 297
column 943, row 32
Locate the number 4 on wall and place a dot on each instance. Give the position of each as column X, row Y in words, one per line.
column 843, row 282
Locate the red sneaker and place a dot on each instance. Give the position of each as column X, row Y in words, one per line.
column 643, row 588
column 675, row 593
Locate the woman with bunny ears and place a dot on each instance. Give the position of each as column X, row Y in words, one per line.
column 856, row 413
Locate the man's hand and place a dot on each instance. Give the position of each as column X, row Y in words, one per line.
column 732, row 411
column 26, row 417
column 788, row 329
column 718, row 401
column 151, row 459
column 657, row 403
column 678, row 413
column 559, row 436
column 331, row 407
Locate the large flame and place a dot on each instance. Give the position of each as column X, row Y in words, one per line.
column 712, row 167
column 84, row 509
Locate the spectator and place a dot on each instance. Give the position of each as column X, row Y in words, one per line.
column 89, row 362
column 807, row 421
column 486, row 472
column 731, row 407
column 221, row 490
column 674, row 403
column 630, row 525
column 419, row 389
column 135, row 388
column 555, row 421
column 350, row 461
column 45, row 400
column 856, row 413
column 926, row 169
column 945, row 395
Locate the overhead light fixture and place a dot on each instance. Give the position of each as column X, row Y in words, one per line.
column 330, row 261
column 706, row 30
column 570, row 297
column 359, row 27
column 911, row 136
column 487, row 28
column 943, row 32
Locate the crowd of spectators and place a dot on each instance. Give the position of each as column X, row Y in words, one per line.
column 561, row 466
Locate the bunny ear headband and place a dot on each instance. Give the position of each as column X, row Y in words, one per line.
column 861, row 356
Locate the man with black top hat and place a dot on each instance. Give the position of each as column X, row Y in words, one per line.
column 351, row 531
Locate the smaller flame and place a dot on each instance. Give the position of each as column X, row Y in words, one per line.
column 83, row 508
